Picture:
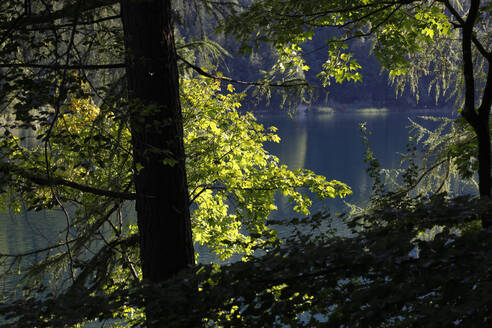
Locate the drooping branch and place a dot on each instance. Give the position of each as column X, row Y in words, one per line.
column 461, row 21
column 40, row 250
column 363, row 17
column 101, row 258
column 66, row 12
column 92, row 22
column 286, row 84
column 60, row 67
column 347, row 9
column 96, row 191
column 44, row 181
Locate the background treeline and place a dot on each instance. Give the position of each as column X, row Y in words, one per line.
column 375, row 89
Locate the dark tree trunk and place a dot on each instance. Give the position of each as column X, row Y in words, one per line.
column 163, row 215
column 479, row 120
column 483, row 136
column 484, row 151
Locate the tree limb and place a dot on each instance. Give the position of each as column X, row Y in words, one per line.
column 62, row 182
column 99, row 20
column 461, row 21
column 59, row 67
column 43, row 181
column 37, row 251
column 200, row 71
column 67, row 11
column 345, row 10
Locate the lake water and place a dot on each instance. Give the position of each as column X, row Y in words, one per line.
column 328, row 144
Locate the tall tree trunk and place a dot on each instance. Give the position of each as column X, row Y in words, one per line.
column 484, row 152
column 163, row 215
column 479, row 120
column 483, row 136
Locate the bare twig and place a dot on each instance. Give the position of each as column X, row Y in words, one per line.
column 61, row 96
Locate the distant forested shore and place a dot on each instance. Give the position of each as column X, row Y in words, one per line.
column 374, row 91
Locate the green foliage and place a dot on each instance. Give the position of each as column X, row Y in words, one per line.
column 385, row 276
column 232, row 181
column 399, row 30
column 417, row 42
column 78, row 156
column 426, row 265
column 438, row 159
column 451, row 143
column 374, row 167
column 340, row 66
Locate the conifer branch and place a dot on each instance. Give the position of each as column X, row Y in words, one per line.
column 60, row 67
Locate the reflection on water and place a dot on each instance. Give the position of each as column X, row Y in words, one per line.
column 330, row 144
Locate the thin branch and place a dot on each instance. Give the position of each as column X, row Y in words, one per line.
column 461, row 21
column 11, row 28
column 212, row 187
column 60, row 67
column 100, row 20
column 102, row 255
column 423, row 175
column 61, row 96
column 68, row 11
column 62, row 182
column 130, row 264
column 356, row 36
column 345, row 10
column 446, row 176
column 197, row 195
column 44, row 181
column 200, row 71
column 359, row 19
column 37, row 251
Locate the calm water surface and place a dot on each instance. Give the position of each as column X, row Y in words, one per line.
column 331, row 145
column 328, row 144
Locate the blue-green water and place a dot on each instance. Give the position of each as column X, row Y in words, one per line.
column 328, row 144
column 331, row 145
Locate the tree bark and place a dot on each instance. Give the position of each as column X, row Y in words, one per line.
column 479, row 120
column 484, row 154
column 162, row 202
column 483, row 136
